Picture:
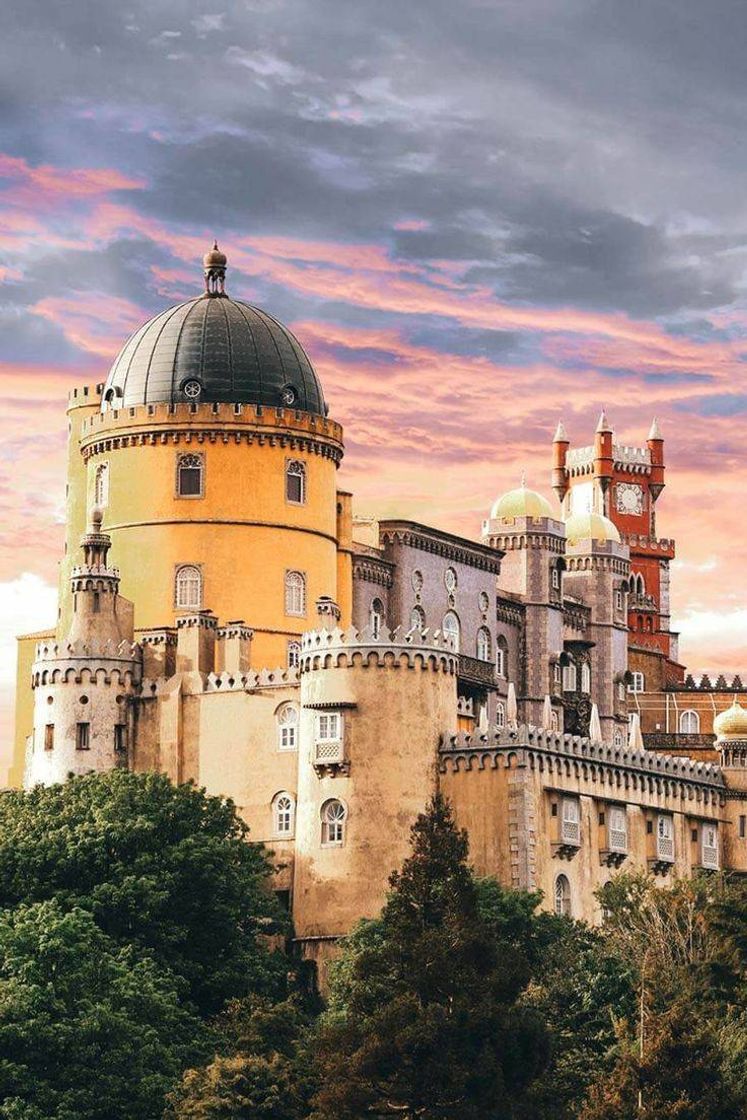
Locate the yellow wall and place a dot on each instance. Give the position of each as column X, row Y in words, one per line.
column 24, row 714
column 83, row 403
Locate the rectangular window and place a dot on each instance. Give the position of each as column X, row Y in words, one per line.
column 49, row 738
column 570, row 826
column 328, row 727
column 618, row 600
column 665, row 838
column 189, row 476
column 96, row 602
column 742, row 827
column 328, row 747
column 618, row 829
column 120, row 738
column 709, row 852
column 82, row 736
column 295, row 482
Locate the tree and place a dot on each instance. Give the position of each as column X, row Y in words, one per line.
column 423, row 1018
column 164, row 868
column 89, row 1029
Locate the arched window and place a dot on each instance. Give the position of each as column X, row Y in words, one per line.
column 376, row 617
column 554, row 724
column 189, row 476
column 500, row 715
column 618, row 739
column 483, row 644
column 295, row 593
column 283, row 814
column 563, row 896
column 101, row 485
column 417, row 619
column 637, row 683
column 334, row 816
column 294, row 655
column 689, row 723
column 287, row 721
column 585, row 677
column 295, row 481
column 501, row 657
column 451, row 628
column 570, row 677
column 188, row 590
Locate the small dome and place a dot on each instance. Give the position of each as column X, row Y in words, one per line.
column 214, row 257
column 590, row 527
column 732, row 723
column 521, row 503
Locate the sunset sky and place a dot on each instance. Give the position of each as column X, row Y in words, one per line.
column 478, row 217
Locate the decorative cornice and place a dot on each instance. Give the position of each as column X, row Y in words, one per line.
column 372, row 570
column 450, row 547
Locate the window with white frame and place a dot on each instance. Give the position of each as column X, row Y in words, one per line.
column 82, row 736
column 483, row 644
column 417, row 618
column 287, row 723
column 570, row 821
column 334, row 817
column 295, row 481
column 563, row 896
column 294, row 654
column 557, row 674
column 689, row 722
column 637, row 682
column 188, row 587
column 295, row 594
column 617, row 828
column 283, row 813
column 376, row 618
column 328, row 727
column 585, row 677
column 664, row 838
column 451, row 628
column 501, row 657
column 500, row 714
column 618, row 739
column 189, row 476
column 709, row 846
column 619, row 601
column 101, row 485
column 570, row 677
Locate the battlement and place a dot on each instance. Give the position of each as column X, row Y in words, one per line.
column 378, row 647
column 663, row 545
column 88, row 651
column 583, row 750
column 208, row 422
column 624, row 456
column 251, row 681
column 82, row 395
column 706, row 684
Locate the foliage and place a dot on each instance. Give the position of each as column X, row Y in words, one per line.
column 424, row 1019
column 164, row 868
column 88, row 1029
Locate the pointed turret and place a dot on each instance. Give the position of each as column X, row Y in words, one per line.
column 560, row 445
column 655, row 444
column 604, row 424
column 603, row 459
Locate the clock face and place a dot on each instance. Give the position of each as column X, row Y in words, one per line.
column 629, row 498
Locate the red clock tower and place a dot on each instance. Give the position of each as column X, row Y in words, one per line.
column 624, row 483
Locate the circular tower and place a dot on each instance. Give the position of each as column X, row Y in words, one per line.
column 214, row 461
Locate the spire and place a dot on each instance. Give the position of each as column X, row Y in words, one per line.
column 523, row 482
column 604, row 424
column 655, row 431
column 95, row 543
column 560, row 434
column 214, row 264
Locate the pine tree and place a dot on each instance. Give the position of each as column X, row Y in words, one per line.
column 423, row 1021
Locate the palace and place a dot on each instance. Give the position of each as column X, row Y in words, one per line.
column 328, row 673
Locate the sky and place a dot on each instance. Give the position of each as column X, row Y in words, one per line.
column 478, row 218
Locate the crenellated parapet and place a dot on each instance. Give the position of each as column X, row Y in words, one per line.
column 428, row 648
column 93, row 650
column 251, row 682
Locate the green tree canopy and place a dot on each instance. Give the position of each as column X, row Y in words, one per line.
column 89, row 1029
column 164, row 868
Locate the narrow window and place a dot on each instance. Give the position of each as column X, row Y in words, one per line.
column 689, row 723
column 555, row 578
column 618, row 829
column 49, row 739
column 120, row 738
column 295, row 594
column 188, row 591
column 563, row 896
column 483, row 644
column 295, row 482
column 664, row 838
column 742, row 827
column 294, row 655
column 189, row 476
column 709, row 855
column 376, row 617
column 328, row 727
column 500, row 715
column 101, row 485
column 451, row 629
column 334, row 816
column 570, row 677
column 417, row 619
column 287, row 721
column 501, row 657
column 585, row 677
column 82, row 732
column 619, row 601
column 570, row 827
column 284, row 811
column 96, row 602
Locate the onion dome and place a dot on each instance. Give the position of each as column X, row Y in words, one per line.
column 590, row 526
column 521, row 503
column 731, row 723
column 214, row 349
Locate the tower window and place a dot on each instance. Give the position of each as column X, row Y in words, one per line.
column 500, row 715
column 334, row 816
column 120, row 738
column 49, row 737
column 563, row 896
column 555, row 578
column 284, row 812
column 295, row 481
column 483, row 644
column 287, row 720
column 101, row 485
column 417, row 618
column 501, row 657
column 82, row 736
column 451, row 628
column 376, row 618
column 96, row 602
column 189, row 476
column 689, row 723
column 295, row 594
column 188, row 591
column 294, row 655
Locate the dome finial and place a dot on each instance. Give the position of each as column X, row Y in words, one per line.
column 523, row 480
column 214, row 263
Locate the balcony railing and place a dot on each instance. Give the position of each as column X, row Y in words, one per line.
column 665, row 848
column 618, row 839
column 570, row 832
column 328, row 752
column 475, row 671
column 709, row 857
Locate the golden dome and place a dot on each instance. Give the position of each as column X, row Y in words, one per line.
column 214, row 257
column 521, row 503
column 590, row 527
column 731, row 723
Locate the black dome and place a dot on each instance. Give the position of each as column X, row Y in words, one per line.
column 213, row 348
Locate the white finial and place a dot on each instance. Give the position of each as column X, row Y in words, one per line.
column 547, row 714
column 604, row 424
column 560, row 434
column 512, row 710
column 635, row 739
column 523, row 480
column 595, row 726
column 655, row 432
